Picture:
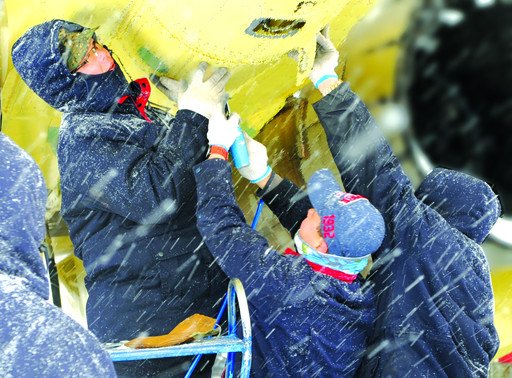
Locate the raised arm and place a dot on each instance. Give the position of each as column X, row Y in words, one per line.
column 363, row 156
column 288, row 203
column 139, row 170
column 240, row 250
column 361, row 153
column 284, row 198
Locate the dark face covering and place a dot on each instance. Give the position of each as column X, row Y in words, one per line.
column 104, row 90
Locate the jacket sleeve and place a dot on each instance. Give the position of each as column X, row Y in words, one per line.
column 289, row 204
column 187, row 135
column 239, row 250
column 363, row 156
column 144, row 175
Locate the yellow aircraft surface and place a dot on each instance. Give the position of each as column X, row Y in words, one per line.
column 252, row 39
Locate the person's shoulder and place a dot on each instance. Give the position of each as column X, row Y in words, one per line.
column 415, row 221
column 102, row 125
column 332, row 287
column 289, row 274
column 34, row 322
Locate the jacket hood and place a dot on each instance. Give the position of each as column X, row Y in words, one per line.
column 467, row 203
column 38, row 60
column 22, row 229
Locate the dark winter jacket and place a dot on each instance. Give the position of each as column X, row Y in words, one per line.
column 36, row 338
column 435, row 302
column 128, row 195
column 303, row 323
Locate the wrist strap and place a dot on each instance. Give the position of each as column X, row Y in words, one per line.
column 218, row 150
column 324, row 78
column 271, row 178
column 267, row 171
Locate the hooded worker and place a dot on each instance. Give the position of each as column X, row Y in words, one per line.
column 467, row 203
column 127, row 185
column 36, row 338
column 434, row 294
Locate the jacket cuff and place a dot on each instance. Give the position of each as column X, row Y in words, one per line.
column 338, row 94
column 281, row 186
column 272, row 183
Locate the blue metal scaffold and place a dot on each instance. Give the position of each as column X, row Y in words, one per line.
column 229, row 343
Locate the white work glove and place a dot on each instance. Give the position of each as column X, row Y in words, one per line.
column 205, row 97
column 258, row 167
column 221, row 131
column 171, row 88
column 326, row 59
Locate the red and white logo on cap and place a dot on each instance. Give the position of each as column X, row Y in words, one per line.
column 346, row 198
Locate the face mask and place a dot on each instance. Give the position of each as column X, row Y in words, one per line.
column 344, row 264
column 105, row 89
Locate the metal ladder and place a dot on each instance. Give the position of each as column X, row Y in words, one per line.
column 229, row 343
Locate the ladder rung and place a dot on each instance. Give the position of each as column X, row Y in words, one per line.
column 215, row 345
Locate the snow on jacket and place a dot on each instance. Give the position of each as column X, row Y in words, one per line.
column 36, row 338
column 128, row 195
column 435, row 303
column 303, row 323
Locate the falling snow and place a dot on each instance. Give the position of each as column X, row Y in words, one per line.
column 159, row 229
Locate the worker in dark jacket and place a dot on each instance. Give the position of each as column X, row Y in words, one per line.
column 434, row 296
column 310, row 309
column 435, row 300
column 36, row 338
column 128, row 190
column 435, row 303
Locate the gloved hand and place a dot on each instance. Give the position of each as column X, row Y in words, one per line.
column 205, row 97
column 173, row 89
column 258, row 167
column 326, row 59
column 222, row 131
